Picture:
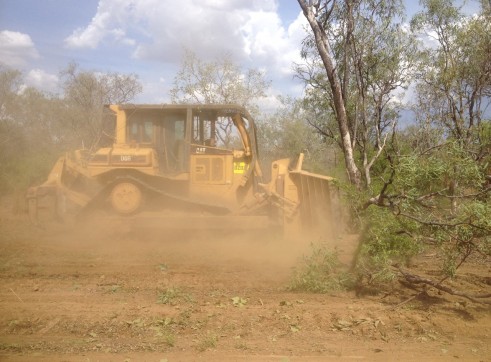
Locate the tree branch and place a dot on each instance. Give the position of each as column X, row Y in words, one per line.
column 416, row 279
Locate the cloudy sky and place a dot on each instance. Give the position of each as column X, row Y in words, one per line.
column 147, row 37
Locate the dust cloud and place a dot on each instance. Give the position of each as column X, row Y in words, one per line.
column 108, row 290
column 251, row 254
column 102, row 241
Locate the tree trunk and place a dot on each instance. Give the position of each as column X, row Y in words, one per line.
column 341, row 117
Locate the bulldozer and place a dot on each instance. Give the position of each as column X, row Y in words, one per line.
column 183, row 166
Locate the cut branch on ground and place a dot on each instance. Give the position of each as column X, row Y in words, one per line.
column 415, row 279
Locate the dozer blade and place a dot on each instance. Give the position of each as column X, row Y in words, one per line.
column 43, row 206
column 48, row 202
column 305, row 200
column 315, row 201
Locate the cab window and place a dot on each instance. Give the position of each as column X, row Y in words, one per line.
column 141, row 132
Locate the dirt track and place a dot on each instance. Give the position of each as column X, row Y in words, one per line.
column 108, row 294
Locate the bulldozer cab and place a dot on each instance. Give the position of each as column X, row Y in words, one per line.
column 165, row 132
column 183, row 137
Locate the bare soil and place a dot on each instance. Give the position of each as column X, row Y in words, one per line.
column 109, row 293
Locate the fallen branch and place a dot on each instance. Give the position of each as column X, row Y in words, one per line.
column 16, row 295
column 394, row 307
column 416, row 279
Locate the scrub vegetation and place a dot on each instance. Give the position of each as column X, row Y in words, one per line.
column 396, row 109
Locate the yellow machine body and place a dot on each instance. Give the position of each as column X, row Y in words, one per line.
column 199, row 159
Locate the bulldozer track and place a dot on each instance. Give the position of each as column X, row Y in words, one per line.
column 103, row 194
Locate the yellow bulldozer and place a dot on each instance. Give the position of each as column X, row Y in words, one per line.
column 183, row 166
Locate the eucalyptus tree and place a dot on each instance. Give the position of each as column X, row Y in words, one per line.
column 356, row 61
column 30, row 132
column 10, row 132
column 86, row 93
column 218, row 81
column 10, row 82
column 35, row 127
column 438, row 191
column 284, row 133
column 455, row 71
column 454, row 77
column 433, row 178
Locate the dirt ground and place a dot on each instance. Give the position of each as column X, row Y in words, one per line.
column 108, row 293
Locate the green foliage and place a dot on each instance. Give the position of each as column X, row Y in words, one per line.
column 385, row 240
column 20, row 172
column 437, row 198
column 418, row 174
column 427, row 185
column 373, row 55
column 173, row 296
column 320, row 272
column 163, row 331
column 25, row 158
column 454, row 71
column 392, row 237
column 36, row 127
column 286, row 133
column 85, row 94
column 219, row 81
column 239, row 302
column 208, row 341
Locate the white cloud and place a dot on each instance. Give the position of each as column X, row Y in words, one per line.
column 159, row 30
column 208, row 28
column 42, row 80
column 103, row 25
column 91, row 36
column 16, row 49
column 252, row 32
column 270, row 44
